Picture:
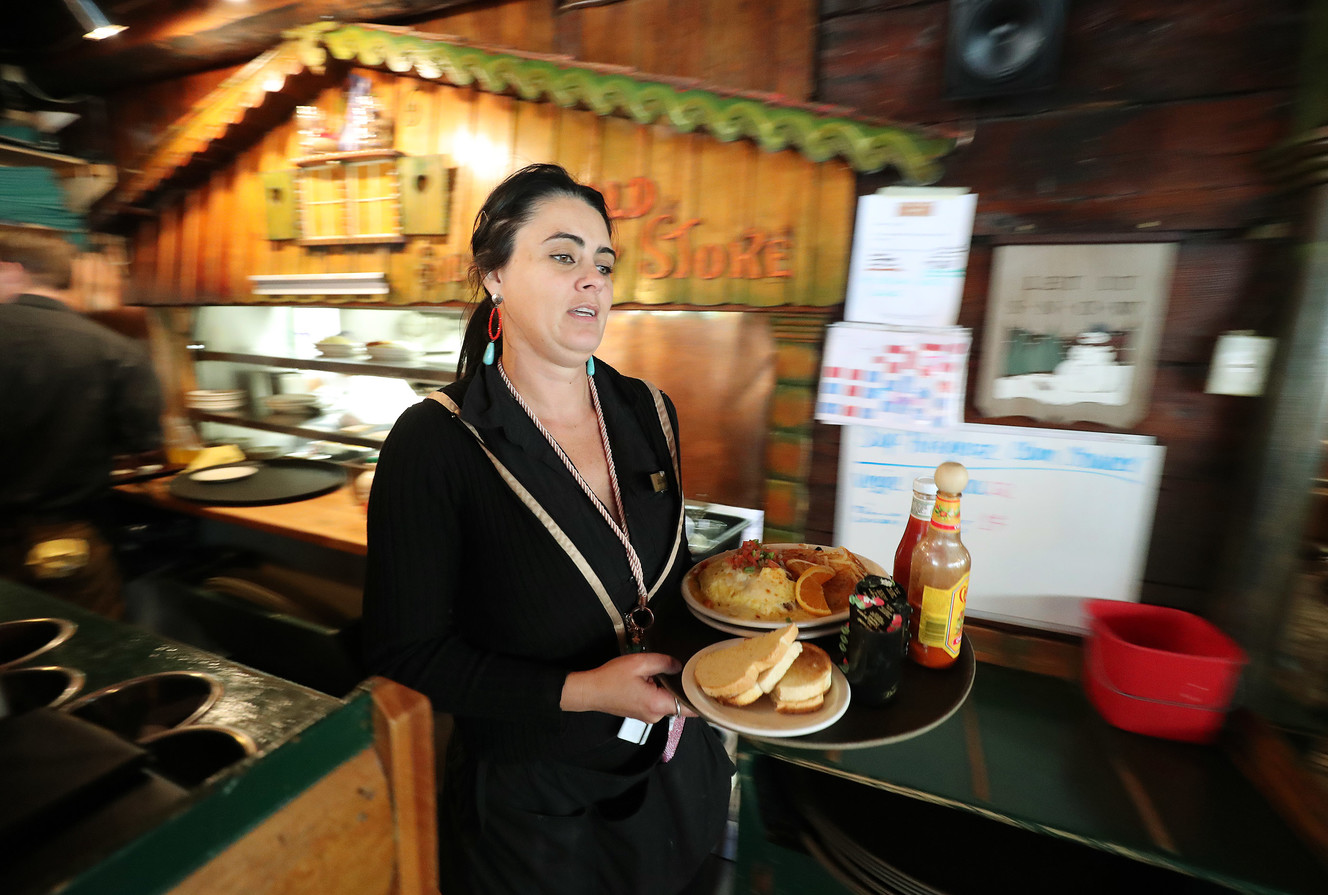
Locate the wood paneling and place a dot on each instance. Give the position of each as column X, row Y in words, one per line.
column 888, row 58
column 336, row 836
column 721, row 414
column 1195, row 166
column 762, row 46
column 1159, row 123
column 699, row 221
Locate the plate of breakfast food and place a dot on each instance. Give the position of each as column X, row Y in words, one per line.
column 769, row 685
column 761, row 587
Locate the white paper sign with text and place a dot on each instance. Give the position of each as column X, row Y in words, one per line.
column 910, row 254
column 1050, row 517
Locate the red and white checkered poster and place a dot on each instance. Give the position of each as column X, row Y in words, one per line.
column 897, row 377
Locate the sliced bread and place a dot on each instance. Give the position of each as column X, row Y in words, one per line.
column 803, row 686
column 800, row 708
column 746, row 697
column 768, row 678
column 735, row 670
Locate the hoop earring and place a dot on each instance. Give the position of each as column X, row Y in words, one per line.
column 494, row 312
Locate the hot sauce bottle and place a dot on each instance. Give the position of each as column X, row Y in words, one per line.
column 919, row 517
column 938, row 580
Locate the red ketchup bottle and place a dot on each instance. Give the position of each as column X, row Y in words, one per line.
column 919, row 517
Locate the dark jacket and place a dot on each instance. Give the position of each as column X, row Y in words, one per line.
column 73, row 394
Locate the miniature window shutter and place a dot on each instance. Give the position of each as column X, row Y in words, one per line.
column 279, row 201
column 426, row 195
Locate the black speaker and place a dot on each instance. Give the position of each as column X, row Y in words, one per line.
column 1002, row 47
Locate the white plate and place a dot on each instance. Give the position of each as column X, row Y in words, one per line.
column 692, row 597
column 222, row 473
column 760, row 718
column 808, row 632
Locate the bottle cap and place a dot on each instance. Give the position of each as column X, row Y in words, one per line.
column 926, row 484
column 951, row 477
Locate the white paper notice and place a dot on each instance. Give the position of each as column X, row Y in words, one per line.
column 1051, row 517
column 910, row 253
column 902, row 377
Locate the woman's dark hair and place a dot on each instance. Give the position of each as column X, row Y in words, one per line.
column 511, row 204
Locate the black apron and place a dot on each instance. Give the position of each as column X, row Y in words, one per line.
column 548, row 828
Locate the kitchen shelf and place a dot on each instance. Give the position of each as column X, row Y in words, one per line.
column 320, row 428
column 427, row 370
column 353, row 155
column 18, row 154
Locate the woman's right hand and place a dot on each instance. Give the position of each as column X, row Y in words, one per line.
column 625, row 687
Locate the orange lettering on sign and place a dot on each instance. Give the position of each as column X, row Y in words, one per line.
column 711, row 261
column 777, row 256
column 634, row 201
column 677, row 265
column 745, row 263
column 914, row 209
column 669, row 249
column 657, row 264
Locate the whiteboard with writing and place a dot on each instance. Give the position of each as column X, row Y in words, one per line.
column 1050, row 517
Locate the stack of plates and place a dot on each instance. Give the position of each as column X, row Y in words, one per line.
column 295, row 403
column 212, row 400
column 340, row 348
column 394, row 351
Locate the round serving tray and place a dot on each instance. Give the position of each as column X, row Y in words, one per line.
column 926, row 698
column 276, row 481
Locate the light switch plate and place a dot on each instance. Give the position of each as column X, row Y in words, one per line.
column 1240, row 364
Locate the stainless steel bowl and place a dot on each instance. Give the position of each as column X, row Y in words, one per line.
column 189, row 756
column 27, row 638
column 25, row 689
column 142, row 706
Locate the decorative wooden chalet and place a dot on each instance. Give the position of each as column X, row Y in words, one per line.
column 722, row 200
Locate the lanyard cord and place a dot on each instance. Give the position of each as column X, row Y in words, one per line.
column 640, row 618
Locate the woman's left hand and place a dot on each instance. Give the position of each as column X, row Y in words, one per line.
column 625, row 686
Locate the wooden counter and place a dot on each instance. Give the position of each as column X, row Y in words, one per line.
column 333, row 520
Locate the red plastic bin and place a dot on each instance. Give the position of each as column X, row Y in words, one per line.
column 1159, row 671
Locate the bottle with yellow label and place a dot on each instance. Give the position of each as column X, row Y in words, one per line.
column 938, row 579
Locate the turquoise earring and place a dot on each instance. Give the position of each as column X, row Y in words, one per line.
column 590, row 366
column 494, row 314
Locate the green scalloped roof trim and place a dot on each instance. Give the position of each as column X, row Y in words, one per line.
column 865, row 147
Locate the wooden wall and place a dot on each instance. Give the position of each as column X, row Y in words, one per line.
column 1156, row 129
column 767, row 46
column 206, row 240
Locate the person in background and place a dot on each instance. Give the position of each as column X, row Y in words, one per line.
column 524, row 525
column 73, row 395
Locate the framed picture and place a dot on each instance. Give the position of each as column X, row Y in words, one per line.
column 1072, row 331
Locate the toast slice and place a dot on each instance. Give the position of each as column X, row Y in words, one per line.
column 771, row 676
column 799, row 708
column 736, row 669
column 746, row 697
column 803, row 686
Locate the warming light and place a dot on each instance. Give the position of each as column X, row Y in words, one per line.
column 95, row 25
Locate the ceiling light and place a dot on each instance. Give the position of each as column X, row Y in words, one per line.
column 95, row 25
